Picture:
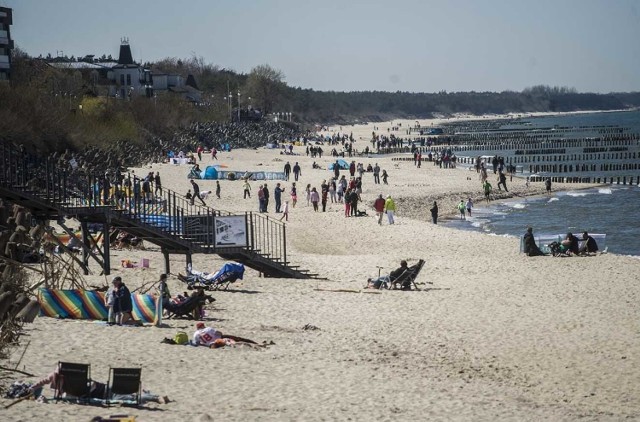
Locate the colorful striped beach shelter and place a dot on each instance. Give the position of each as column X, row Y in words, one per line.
column 89, row 304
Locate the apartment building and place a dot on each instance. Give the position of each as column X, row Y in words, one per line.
column 6, row 43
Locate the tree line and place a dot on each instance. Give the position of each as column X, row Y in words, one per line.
column 53, row 109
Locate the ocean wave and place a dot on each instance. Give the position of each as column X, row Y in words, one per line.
column 577, row 194
column 508, row 236
column 605, row 191
column 479, row 223
column 553, row 200
column 518, row 205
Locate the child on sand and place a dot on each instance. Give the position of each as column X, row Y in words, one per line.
column 285, row 211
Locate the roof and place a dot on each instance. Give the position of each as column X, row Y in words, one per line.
column 79, row 65
column 125, row 56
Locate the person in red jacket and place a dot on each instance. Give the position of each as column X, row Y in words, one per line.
column 379, row 207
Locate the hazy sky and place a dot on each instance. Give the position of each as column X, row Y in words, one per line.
column 349, row 45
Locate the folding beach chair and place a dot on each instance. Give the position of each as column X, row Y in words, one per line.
column 74, row 379
column 188, row 307
column 124, row 381
column 408, row 277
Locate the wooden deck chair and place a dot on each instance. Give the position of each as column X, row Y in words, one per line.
column 74, row 379
column 124, row 381
column 408, row 277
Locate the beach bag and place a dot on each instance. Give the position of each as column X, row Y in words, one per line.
column 181, row 338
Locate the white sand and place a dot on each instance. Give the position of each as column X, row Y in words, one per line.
column 496, row 336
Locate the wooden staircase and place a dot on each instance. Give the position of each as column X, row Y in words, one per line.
column 53, row 192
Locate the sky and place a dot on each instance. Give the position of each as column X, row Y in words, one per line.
column 354, row 45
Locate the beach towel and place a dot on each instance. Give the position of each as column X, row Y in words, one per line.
column 89, row 304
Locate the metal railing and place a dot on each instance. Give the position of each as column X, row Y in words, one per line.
column 267, row 236
column 131, row 199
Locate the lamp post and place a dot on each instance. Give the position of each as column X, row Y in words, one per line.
column 238, row 106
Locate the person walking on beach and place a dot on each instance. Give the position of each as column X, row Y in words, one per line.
column 483, row 173
column 146, row 189
column 158, row 183
column 462, row 209
column 434, row 212
column 324, row 190
column 314, row 198
column 247, row 189
column 336, row 170
column 376, row 174
column 390, row 209
column 469, row 206
column 502, row 180
column 307, row 191
column 285, row 211
column 487, row 190
column 296, row 171
column 218, row 189
column 547, row 185
column 287, row 171
column 378, row 205
column 196, row 193
column 214, row 153
column 384, row 177
column 294, row 194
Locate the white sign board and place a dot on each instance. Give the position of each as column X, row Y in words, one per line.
column 231, row 231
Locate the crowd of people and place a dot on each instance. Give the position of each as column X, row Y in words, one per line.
column 340, row 188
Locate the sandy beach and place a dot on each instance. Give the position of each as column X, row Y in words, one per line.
column 492, row 334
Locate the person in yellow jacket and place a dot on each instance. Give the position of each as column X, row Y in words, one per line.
column 390, row 208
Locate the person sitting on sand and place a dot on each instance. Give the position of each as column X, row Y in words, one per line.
column 570, row 244
column 590, row 245
column 530, row 247
column 210, row 337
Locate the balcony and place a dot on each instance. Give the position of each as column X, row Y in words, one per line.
column 4, row 62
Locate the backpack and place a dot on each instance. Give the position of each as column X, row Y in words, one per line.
column 181, row 338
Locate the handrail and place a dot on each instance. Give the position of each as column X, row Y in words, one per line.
column 169, row 212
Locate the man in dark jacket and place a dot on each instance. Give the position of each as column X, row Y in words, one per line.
column 277, row 195
column 265, row 191
column 122, row 305
column 196, row 193
column 296, row 171
column 287, row 171
column 530, row 247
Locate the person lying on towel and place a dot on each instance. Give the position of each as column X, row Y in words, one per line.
column 210, row 337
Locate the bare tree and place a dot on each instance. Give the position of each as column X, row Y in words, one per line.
column 265, row 85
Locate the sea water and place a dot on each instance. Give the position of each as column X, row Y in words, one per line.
column 611, row 210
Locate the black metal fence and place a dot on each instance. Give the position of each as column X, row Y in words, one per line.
column 131, row 198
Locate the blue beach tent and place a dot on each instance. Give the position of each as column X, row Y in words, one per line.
column 341, row 163
column 211, row 173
